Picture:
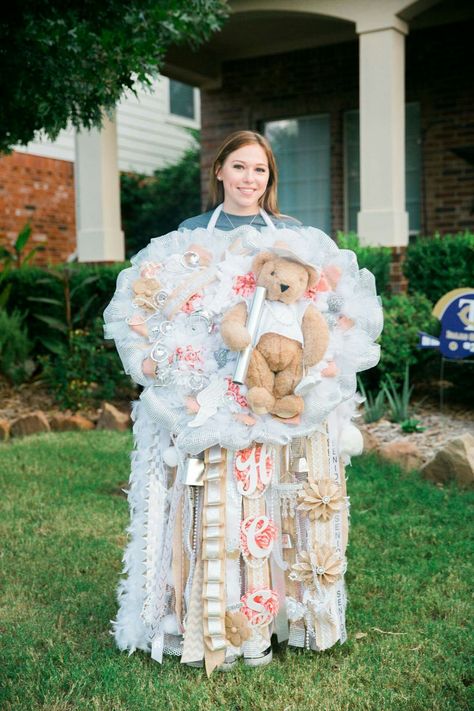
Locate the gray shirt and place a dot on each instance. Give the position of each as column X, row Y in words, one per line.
column 228, row 223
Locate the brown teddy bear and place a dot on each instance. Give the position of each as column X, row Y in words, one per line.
column 291, row 334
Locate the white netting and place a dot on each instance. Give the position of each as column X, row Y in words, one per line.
column 168, row 307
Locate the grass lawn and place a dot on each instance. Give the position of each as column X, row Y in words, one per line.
column 62, row 531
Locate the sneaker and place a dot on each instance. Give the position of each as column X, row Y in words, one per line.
column 260, row 660
column 228, row 664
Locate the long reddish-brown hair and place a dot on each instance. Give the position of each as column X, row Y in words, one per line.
column 232, row 143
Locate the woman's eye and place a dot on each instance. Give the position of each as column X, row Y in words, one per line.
column 261, row 170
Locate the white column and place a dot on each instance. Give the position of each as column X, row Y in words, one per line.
column 99, row 234
column 382, row 219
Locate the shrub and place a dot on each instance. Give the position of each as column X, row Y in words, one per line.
column 405, row 315
column 398, row 401
column 14, row 346
column 86, row 371
column 155, row 205
column 375, row 259
column 374, row 405
column 435, row 265
column 28, row 284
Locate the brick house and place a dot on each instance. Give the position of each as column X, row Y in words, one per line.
column 51, row 186
column 368, row 104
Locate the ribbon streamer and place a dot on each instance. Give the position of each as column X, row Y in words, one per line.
column 213, row 555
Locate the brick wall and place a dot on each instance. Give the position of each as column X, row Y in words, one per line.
column 325, row 80
column 39, row 191
column 314, row 81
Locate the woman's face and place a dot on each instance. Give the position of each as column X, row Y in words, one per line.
column 244, row 175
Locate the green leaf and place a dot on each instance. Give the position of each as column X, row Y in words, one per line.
column 82, row 312
column 44, row 280
column 55, row 347
column 87, row 280
column 45, row 300
column 23, row 237
column 53, row 323
column 32, row 253
column 4, row 294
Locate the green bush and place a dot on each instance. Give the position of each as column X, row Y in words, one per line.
column 436, row 265
column 14, row 346
column 86, row 371
column 154, row 205
column 375, row 259
column 31, row 283
column 404, row 316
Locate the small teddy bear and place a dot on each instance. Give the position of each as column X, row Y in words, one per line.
column 292, row 333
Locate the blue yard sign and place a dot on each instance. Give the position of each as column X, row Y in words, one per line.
column 455, row 310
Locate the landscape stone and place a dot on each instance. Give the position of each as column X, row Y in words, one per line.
column 33, row 423
column 111, row 418
column 70, row 423
column 4, row 430
column 402, row 452
column 455, row 461
column 371, row 442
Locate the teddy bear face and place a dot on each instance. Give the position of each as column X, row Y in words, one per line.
column 285, row 281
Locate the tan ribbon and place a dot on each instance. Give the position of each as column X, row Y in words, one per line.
column 257, row 577
column 213, row 556
column 318, row 453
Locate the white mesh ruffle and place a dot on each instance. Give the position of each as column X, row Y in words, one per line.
column 196, row 365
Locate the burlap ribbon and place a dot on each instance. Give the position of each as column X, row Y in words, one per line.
column 323, row 463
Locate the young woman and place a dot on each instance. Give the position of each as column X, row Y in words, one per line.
column 239, row 518
column 243, row 178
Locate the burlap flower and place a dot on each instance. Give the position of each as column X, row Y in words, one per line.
column 145, row 290
column 323, row 562
column 237, row 629
column 321, row 499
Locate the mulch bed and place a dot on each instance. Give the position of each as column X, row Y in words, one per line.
column 26, row 398
column 440, row 427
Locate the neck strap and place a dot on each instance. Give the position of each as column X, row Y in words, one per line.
column 215, row 216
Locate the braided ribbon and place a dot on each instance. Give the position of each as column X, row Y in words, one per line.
column 213, row 555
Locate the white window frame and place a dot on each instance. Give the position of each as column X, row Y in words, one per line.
column 176, row 119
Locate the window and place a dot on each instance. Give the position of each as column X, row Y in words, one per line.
column 412, row 167
column 181, row 99
column 302, row 151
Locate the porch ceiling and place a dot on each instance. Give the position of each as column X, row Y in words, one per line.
column 258, row 32
column 254, row 34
